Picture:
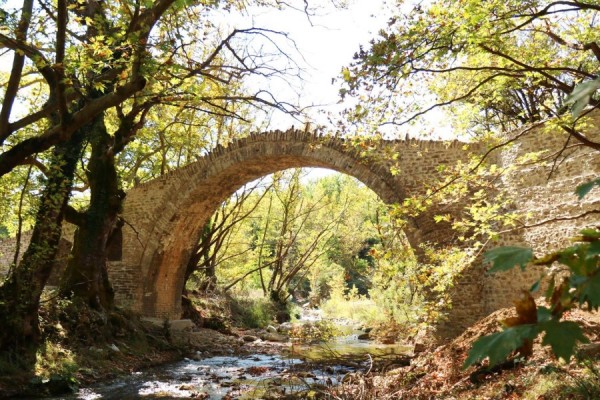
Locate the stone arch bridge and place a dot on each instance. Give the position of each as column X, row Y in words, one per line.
column 164, row 217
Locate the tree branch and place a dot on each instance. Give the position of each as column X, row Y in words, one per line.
column 13, row 157
column 15, row 74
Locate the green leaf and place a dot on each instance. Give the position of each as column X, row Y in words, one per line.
column 590, row 233
column 579, row 105
column 536, row 286
column 590, row 291
column 594, row 249
column 581, row 94
column 543, row 314
column 498, row 346
column 505, row 258
column 585, row 188
column 572, row 258
column 562, row 337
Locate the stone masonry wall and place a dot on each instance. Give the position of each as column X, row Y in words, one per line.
column 539, row 195
column 8, row 247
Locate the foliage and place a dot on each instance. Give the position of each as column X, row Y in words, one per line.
column 87, row 77
column 353, row 307
column 488, row 66
column 54, row 359
column 318, row 331
column 505, row 258
column 252, row 311
column 576, row 284
column 298, row 235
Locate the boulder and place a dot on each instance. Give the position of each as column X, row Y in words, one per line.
column 179, row 325
column 286, row 327
column 274, row 337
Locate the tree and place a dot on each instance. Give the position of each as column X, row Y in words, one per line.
column 99, row 70
column 215, row 245
column 496, row 65
column 300, row 237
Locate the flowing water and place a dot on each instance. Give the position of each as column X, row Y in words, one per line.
column 248, row 377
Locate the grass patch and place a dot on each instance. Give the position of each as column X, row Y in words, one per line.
column 53, row 359
column 250, row 312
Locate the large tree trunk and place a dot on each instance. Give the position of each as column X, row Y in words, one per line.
column 20, row 294
column 86, row 276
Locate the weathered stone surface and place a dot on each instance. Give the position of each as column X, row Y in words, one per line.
column 179, row 325
column 271, row 329
column 165, row 216
column 274, row 337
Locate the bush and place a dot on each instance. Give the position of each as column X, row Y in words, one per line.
column 252, row 312
column 319, row 331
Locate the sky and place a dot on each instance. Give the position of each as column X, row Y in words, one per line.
column 326, row 42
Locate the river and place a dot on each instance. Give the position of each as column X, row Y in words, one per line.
column 296, row 368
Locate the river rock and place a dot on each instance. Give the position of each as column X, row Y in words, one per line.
column 271, row 329
column 274, row 337
column 419, row 347
column 285, row 328
column 249, row 338
column 186, row 387
column 153, row 323
column 179, row 325
column 56, row 386
column 95, row 350
column 364, row 336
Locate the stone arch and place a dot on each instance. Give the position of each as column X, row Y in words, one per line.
column 163, row 218
column 146, row 258
column 183, row 201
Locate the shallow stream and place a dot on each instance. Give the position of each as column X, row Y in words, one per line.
column 253, row 376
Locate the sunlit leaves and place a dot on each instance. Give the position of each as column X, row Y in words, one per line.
column 495, row 64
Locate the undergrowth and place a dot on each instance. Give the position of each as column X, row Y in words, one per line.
column 252, row 311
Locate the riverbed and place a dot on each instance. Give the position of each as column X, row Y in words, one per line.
column 271, row 371
column 295, row 368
